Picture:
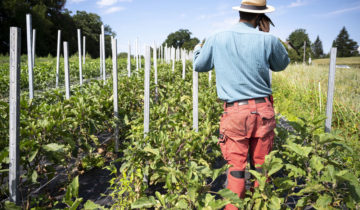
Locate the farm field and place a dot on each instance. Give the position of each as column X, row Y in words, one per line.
column 175, row 167
column 351, row 61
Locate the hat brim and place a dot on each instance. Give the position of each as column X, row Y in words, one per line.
column 267, row 10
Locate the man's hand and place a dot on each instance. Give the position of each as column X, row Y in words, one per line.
column 264, row 25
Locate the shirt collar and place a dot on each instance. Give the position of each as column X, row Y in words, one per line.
column 246, row 24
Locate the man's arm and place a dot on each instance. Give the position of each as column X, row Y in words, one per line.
column 203, row 57
column 279, row 58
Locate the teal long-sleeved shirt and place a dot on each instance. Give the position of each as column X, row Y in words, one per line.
column 242, row 57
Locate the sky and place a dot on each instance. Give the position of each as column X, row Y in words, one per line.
column 153, row 20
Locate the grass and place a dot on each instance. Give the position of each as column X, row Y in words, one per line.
column 351, row 61
column 301, row 91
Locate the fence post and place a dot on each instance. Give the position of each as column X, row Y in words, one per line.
column 33, row 47
column 129, row 61
column 66, row 69
column 195, row 101
column 80, row 62
column 29, row 51
column 147, row 90
column 58, row 58
column 84, row 49
column 270, row 77
column 331, row 88
column 14, row 114
column 103, row 53
column 115, row 92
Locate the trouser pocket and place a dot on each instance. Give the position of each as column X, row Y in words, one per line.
column 222, row 142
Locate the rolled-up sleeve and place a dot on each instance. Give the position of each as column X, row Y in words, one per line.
column 203, row 57
column 279, row 58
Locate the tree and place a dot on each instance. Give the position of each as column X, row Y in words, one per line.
column 346, row 47
column 48, row 16
column 297, row 39
column 181, row 38
column 90, row 25
column 13, row 13
column 317, row 48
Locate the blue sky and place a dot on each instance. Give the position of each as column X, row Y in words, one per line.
column 153, row 20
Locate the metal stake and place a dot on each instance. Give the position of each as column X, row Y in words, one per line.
column 147, row 90
column 14, row 114
column 79, row 49
column 66, row 68
column 196, row 101
column 29, row 51
column 331, row 88
column 33, row 47
column 58, row 58
column 115, row 92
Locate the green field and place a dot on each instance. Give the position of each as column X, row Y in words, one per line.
column 351, row 61
column 316, row 169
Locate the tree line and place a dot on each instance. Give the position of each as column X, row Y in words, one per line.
column 346, row 47
column 49, row 16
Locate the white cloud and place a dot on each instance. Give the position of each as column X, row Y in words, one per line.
column 114, row 9
column 297, row 3
column 106, row 3
column 76, row 1
column 341, row 11
column 226, row 23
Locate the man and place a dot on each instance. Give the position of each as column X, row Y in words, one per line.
column 242, row 57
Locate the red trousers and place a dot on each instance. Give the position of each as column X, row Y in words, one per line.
column 246, row 129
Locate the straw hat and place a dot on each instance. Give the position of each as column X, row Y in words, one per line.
column 254, row 6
